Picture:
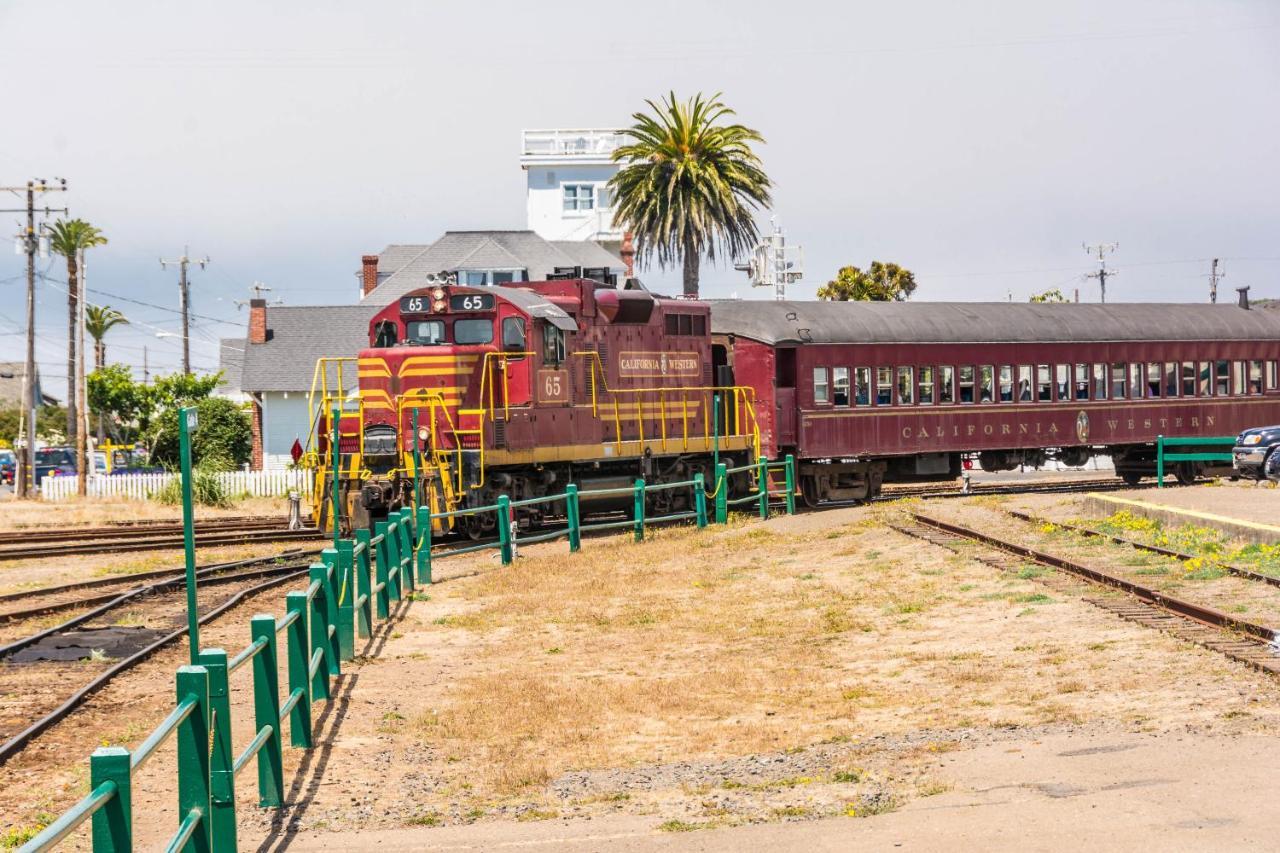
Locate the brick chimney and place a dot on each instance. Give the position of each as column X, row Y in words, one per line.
column 368, row 274
column 257, row 321
column 628, row 254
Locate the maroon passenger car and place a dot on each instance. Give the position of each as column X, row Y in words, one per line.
column 863, row 392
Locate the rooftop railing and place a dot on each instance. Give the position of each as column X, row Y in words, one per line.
column 570, row 142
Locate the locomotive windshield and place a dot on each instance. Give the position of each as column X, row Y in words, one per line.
column 424, row 332
column 473, row 331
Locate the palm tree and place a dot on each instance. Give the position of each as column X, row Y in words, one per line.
column 689, row 185
column 99, row 319
column 68, row 238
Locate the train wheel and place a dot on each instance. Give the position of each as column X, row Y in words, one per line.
column 1186, row 473
column 1131, row 478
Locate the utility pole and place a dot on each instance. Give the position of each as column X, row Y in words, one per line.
column 1101, row 275
column 185, row 299
column 29, row 241
column 84, row 463
column 146, row 368
column 774, row 263
column 1214, row 275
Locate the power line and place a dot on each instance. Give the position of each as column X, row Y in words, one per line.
column 1101, row 275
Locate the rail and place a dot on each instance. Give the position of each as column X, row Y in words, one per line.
column 1163, row 455
column 351, row 588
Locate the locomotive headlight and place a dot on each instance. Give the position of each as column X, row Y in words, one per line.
column 438, row 293
column 423, row 433
column 438, row 305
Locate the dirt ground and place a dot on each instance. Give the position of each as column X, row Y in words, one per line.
column 764, row 675
column 19, row 515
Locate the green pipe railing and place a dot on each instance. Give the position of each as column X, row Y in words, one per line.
column 1163, row 455
column 351, row 588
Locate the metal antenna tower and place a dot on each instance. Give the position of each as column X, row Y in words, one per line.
column 1101, row 250
column 774, row 264
column 1214, row 276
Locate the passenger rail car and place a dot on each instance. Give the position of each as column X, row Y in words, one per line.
column 863, row 392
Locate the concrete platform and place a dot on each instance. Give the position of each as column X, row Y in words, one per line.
column 1247, row 512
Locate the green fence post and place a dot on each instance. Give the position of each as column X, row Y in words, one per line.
column 266, row 710
column 113, row 823
column 762, row 479
column 417, row 462
column 406, row 547
column 222, row 775
column 1159, row 461
column 193, row 756
column 346, row 599
column 791, row 484
column 395, row 589
column 700, row 498
column 722, row 494
column 328, row 582
column 424, row 545
column 381, row 577
column 187, row 421
column 504, row 529
column 299, row 651
column 715, row 428
column 365, row 611
column 571, row 509
column 638, row 511
column 317, row 630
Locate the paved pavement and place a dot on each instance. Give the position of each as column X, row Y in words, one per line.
column 1123, row 791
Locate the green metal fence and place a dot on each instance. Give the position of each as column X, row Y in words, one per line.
column 1163, row 455
column 351, row 589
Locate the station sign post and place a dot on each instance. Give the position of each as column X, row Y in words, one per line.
column 187, row 423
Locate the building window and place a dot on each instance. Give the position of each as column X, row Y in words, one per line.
column 840, row 386
column 862, row 385
column 579, row 197
column 821, row 391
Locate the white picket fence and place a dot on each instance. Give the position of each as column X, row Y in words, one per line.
column 142, row 486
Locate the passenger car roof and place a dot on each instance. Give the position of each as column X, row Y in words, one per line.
column 987, row 322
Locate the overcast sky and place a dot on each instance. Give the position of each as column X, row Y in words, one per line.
column 978, row 144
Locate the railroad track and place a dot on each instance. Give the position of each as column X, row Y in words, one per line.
column 159, row 606
column 1255, row 645
column 890, row 493
column 132, row 530
column 33, row 547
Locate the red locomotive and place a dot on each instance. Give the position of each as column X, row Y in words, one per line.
column 525, row 387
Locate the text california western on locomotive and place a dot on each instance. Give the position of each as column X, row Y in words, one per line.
column 522, row 388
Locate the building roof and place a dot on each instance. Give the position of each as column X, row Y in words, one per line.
column 298, row 337
column 987, row 322
column 231, row 363
column 478, row 250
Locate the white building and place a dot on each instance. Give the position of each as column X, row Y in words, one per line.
column 566, row 184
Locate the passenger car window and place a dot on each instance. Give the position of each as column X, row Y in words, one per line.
column 1188, row 378
column 1064, row 381
column 840, row 386
column 1024, row 383
column 966, row 384
column 1118, row 371
column 1271, row 375
column 1171, row 378
column 513, row 333
column 906, row 390
column 1135, row 380
column 1206, row 378
column 1154, row 382
column 1222, row 385
column 1099, row 382
column 1255, row 377
column 1237, row 385
column 1044, row 387
column 1006, row 383
column 987, row 374
column 884, row 386
column 1082, row 382
column 926, row 386
column 862, row 385
column 821, row 390
column 946, row 378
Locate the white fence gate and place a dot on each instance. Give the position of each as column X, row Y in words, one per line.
column 143, row 486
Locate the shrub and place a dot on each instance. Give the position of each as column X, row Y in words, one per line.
column 222, row 442
column 206, row 490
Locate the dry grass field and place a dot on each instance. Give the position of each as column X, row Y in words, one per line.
column 91, row 512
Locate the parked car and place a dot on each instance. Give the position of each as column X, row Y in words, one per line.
column 8, row 467
column 1254, row 456
column 55, row 462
